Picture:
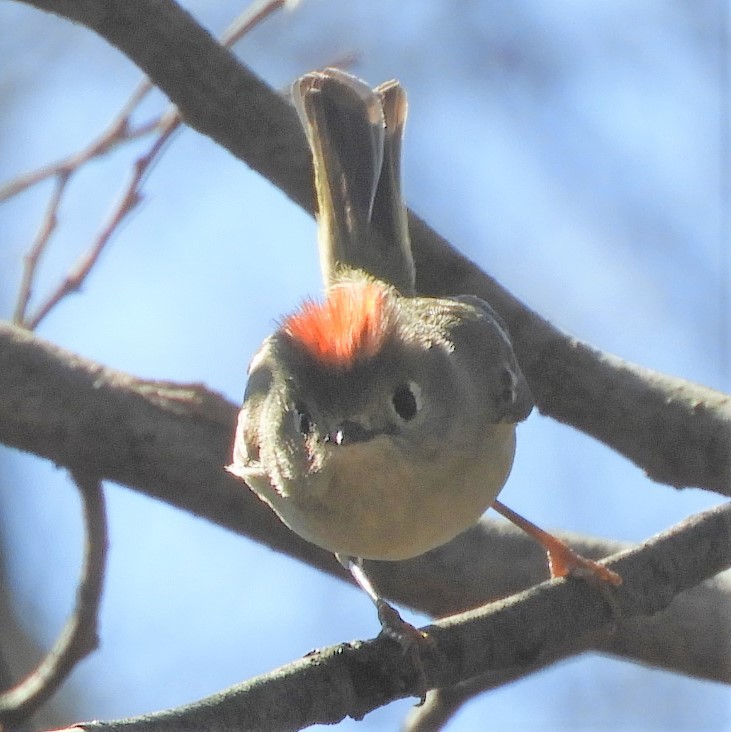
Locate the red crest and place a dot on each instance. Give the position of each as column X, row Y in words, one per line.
column 351, row 324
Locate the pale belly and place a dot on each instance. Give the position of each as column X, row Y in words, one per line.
column 371, row 504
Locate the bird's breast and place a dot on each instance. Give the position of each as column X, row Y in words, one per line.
column 379, row 500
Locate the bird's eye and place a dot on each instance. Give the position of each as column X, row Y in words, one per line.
column 507, row 384
column 406, row 400
column 302, row 421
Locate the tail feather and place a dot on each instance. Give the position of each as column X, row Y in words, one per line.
column 355, row 136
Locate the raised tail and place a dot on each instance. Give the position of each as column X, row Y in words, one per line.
column 355, row 135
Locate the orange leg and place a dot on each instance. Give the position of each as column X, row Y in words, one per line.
column 562, row 560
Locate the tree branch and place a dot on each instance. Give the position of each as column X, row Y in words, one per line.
column 351, row 680
column 119, row 131
column 677, row 431
column 171, row 442
column 79, row 636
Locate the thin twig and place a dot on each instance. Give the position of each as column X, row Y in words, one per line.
column 74, row 279
column 254, row 14
column 118, row 132
column 31, row 259
column 79, row 636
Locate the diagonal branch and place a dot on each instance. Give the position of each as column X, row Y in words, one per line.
column 79, row 636
column 677, row 431
column 80, row 414
column 32, row 258
column 544, row 622
column 129, row 200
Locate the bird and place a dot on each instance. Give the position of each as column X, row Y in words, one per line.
column 378, row 423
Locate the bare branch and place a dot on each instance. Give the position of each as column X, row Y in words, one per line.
column 31, row 259
column 118, row 132
column 79, row 636
column 254, row 14
column 663, row 634
column 351, row 680
column 121, row 129
column 677, row 431
column 108, row 432
column 130, row 198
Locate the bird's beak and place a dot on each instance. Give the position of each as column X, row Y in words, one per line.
column 349, row 432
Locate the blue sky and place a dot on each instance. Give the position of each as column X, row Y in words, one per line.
column 573, row 149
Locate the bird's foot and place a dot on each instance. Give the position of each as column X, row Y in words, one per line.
column 413, row 642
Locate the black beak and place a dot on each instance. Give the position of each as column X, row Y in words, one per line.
column 347, row 433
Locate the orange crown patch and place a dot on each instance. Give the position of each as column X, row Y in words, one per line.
column 352, row 323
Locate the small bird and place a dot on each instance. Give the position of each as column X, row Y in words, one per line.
column 378, row 424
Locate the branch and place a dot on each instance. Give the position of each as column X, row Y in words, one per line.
column 351, row 680
column 171, row 442
column 33, row 256
column 119, row 131
column 677, row 431
column 79, row 636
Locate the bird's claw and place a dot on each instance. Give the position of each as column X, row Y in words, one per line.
column 412, row 641
column 564, row 561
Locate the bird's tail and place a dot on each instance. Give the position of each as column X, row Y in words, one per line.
column 355, row 135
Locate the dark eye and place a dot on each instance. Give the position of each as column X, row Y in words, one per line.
column 302, row 421
column 406, row 400
column 507, row 383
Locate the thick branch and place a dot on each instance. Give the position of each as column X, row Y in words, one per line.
column 352, row 680
column 677, row 431
column 171, row 442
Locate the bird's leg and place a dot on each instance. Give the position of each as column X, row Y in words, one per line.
column 393, row 626
column 562, row 559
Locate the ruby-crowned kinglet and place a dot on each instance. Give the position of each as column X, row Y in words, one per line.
column 377, row 424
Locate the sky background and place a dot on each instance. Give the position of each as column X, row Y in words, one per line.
column 574, row 149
